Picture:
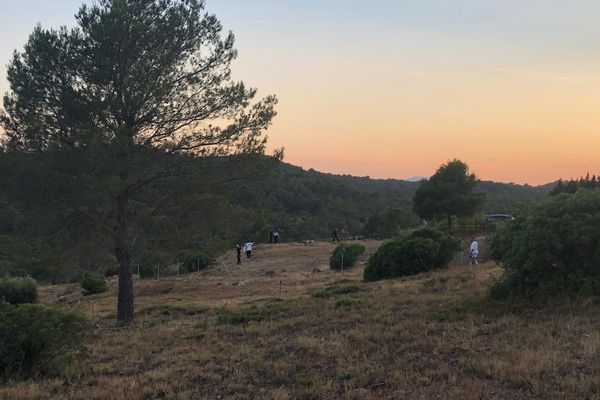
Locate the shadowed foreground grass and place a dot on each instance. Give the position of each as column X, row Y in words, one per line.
column 291, row 333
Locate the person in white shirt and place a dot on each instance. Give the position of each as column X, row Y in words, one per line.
column 248, row 249
column 275, row 236
column 474, row 252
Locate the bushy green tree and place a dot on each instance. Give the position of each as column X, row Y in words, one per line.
column 92, row 283
column 552, row 249
column 114, row 99
column 197, row 260
column 421, row 251
column 18, row 290
column 35, row 340
column 449, row 192
column 345, row 255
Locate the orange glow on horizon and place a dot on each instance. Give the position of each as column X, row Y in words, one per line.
column 507, row 127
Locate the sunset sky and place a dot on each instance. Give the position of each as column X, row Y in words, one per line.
column 395, row 88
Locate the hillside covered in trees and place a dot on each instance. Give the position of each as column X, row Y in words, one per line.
column 308, row 203
column 51, row 231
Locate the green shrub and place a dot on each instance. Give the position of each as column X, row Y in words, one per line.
column 349, row 253
column 147, row 270
column 112, row 270
column 148, row 264
column 448, row 245
column 551, row 250
column 348, row 302
column 35, row 340
column 421, row 251
column 93, row 283
column 253, row 313
column 18, row 290
column 335, row 290
column 192, row 261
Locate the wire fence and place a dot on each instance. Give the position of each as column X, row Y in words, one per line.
column 176, row 269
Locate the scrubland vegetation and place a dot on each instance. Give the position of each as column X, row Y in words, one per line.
column 421, row 251
column 18, row 290
column 128, row 150
column 345, row 255
column 551, row 252
column 325, row 335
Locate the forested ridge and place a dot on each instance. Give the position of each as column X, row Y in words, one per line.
column 48, row 228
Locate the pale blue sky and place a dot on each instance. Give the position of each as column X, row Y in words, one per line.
column 518, row 80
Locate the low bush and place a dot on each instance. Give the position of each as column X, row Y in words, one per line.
column 551, row 251
column 421, row 251
column 335, row 290
column 18, row 290
column 197, row 260
column 148, row 263
column 253, row 313
column 348, row 253
column 93, row 283
column 35, row 340
column 348, row 302
column 146, row 270
column 448, row 245
column 112, row 270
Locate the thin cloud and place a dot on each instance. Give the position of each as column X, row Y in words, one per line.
column 424, row 75
column 569, row 78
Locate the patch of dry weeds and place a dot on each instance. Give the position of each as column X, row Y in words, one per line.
column 246, row 334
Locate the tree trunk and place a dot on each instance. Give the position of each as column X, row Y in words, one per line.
column 449, row 223
column 125, row 300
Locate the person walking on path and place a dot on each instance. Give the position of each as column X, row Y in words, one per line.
column 335, row 236
column 248, row 249
column 474, row 252
column 238, row 253
column 275, row 236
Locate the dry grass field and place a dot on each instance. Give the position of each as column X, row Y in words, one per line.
column 283, row 326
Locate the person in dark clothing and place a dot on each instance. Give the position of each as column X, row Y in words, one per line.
column 238, row 253
column 334, row 236
column 271, row 236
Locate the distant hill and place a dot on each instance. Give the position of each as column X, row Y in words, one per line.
column 416, row 178
column 504, row 197
column 225, row 200
column 308, row 203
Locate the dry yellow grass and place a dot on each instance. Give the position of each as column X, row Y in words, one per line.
column 206, row 336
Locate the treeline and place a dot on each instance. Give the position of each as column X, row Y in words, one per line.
column 572, row 185
column 54, row 227
column 308, row 204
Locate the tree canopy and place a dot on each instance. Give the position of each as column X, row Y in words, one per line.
column 572, row 185
column 449, row 192
column 134, row 83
